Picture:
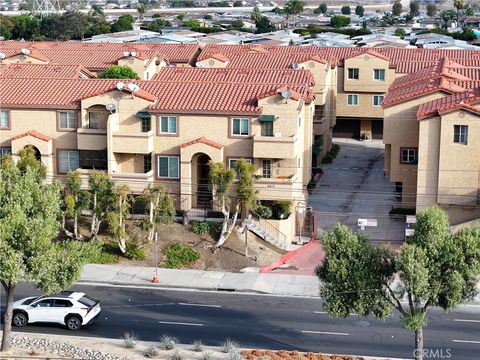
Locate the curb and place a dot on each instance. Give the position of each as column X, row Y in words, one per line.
column 284, row 258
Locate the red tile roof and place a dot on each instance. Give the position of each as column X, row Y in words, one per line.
column 448, row 103
column 33, row 133
column 27, row 70
column 369, row 52
column 202, row 140
column 257, row 76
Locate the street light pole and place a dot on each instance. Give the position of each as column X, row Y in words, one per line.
column 155, row 274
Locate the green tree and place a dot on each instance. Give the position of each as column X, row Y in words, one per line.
column 338, row 21
column 96, row 10
column 51, row 26
column 469, row 10
column 264, row 25
column 25, row 27
column 256, row 14
column 294, row 7
column 400, row 32
column 458, row 5
column 447, row 17
column 181, row 16
column 414, row 8
column 118, row 215
column 245, row 191
column 346, row 10
column 191, row 23
column 158, row 24
column 161, row 210
column 74, row 25
column 119, row 72
column 97, row 25
column 28, row 159
column 5, row 31
column 76, row 200
column 359, row 10
column 238, row 3
column 123, row 23
column 208, row 17
column 103, row 199
column 434, row 268
column 323, row 8
column 431, row 10
column 397, row 8
column 238, row 24
column 29, row 220
column 141, row 9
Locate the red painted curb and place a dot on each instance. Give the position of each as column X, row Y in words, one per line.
column 284, row 258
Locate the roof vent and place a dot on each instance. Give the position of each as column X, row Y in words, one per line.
column 133, row 87
column 2, row 56
column 25, row 51
column 199, row 64
column 120, row 86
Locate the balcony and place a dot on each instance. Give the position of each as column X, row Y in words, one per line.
column 276, row 187
column 91, row 139
column 132, row 143
column 136, row 181
column 274, row 147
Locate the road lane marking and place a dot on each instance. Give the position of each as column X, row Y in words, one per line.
column 467, row 320
column 324, row 332
column 467, row 341
column 202, row 305
column 179, row 323
column 326, row 313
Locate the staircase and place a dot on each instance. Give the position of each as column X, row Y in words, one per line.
column 266, row 230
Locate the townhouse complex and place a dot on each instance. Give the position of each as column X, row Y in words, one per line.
column 277, row 107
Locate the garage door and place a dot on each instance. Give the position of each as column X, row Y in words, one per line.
column 377, row 129
column 347, row 128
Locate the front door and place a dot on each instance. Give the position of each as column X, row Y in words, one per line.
column 204, row 194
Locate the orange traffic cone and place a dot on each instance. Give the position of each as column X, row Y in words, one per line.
column 155, row 278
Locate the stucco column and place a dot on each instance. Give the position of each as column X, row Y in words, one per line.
column 185, row 184
column 112, row 126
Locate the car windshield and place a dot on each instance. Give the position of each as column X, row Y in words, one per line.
column 29, row 301
column 88, row 301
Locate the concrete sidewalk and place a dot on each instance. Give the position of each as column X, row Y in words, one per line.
column 265, row 283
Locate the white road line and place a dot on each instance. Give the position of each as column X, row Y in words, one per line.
column 467, row 320
column 324, row 312
column 179, row 323
column 202, row 305
column 467, row 341
column 324, row 332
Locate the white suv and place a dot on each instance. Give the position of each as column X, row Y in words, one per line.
column 72, row 309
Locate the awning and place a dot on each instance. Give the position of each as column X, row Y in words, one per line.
column 143, row 115
column 267, row 118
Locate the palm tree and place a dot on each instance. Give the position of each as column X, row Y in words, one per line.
column 459, row 5
column 141, row 9
column 294, row 7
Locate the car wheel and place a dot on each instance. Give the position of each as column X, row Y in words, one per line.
column 73, row 323
column 20, row 319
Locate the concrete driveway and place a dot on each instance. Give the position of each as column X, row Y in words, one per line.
column 354, row 187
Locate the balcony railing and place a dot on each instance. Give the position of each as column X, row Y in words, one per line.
column 91, row 139
column 133, row 143
column 274, row 147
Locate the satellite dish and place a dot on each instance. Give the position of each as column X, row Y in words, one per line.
column 110, row 107
column 25, row 51
column 199, row 64
column 133, row 53
column 297, row 66
column 120, row 86
column 133, row 87
column 2, row 56
column 286, row 94
column 126, row 54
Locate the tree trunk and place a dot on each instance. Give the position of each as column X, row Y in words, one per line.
column 7, row 326
column 419, row 344
column 94, row 215
column 75, row 226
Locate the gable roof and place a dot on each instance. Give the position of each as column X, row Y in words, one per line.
column 203, row 140
column 463, row 100
column 33, row 133
column 369, row 52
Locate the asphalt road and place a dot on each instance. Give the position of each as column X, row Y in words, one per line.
column 258, row 321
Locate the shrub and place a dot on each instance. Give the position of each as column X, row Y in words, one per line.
column 235, row 356
column 264, row 211
column 178, row 255
column 200, row 227
column 102, row 253
column 168, row 342
column 327, row 159
column 207, row 355
column 151, row 352
column 197, row 346
column 335, row 150
column 176, row 355
column 130, row 340
column 134, row 251
column 229, row 346
column 281, row 207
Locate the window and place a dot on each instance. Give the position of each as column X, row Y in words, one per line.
column 408, row 156
column 267, row 169
column 5, row 151
column 231, row 163
column 168, row 167
column 352, row 100
column 352, row 74
column 168, row 124
column 240, row 126
column 68, row 120
column 62, row 303
column 377, row 100
column 147, row 163
column 460, row 134
column 68, row 161
column 146, row 125
column 4, row 120
column 266, row 128
column 93, row 159
column 379, row 74
column 45, row 303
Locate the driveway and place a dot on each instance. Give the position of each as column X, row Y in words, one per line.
column 354, row 187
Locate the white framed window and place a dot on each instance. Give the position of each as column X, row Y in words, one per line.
column 68, row 120
column 352, row 100
column 377, row 100
column 267, row 169
column 232, row 161
column 4, row 151
column 168, row 125
column 240, row 126
column 168, row 167
column 353, row 74
column 460, row 134
column 69, row 160
column 379, row 74
column 408, row 155
column 4, row 120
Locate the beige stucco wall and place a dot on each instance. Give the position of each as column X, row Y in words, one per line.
column 365, row 64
